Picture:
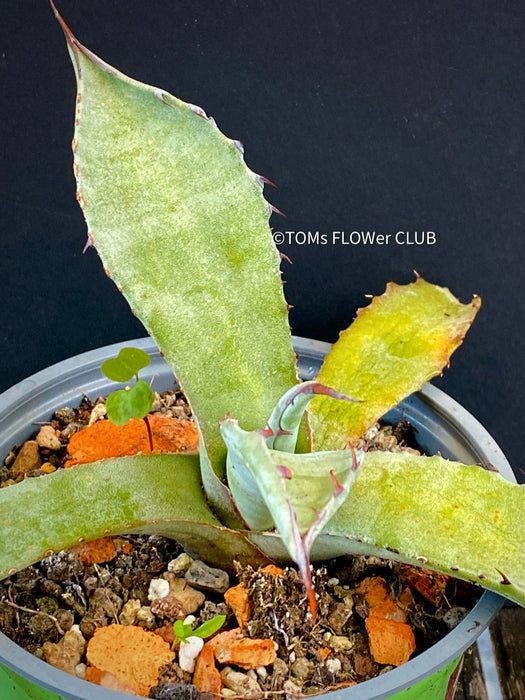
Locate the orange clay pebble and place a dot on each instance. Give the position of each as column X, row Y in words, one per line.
column 375, row 589
column 324, row 653
column 131, row 654
column 103, row 439
column 96, row 551
column 126, row 547
column 225, row 637
column 237, row 599
column 430, row 584
column 206, row 677
column 107, row 680
column 272, row 570
column 380, row 604
column 246, row 653
column 391, row 642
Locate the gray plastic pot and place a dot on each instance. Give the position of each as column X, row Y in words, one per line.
column 441, row 423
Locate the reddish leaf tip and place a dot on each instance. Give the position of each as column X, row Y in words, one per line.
column 284, row 471
column 338, row 490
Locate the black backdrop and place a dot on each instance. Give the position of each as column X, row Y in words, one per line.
column 372, row 116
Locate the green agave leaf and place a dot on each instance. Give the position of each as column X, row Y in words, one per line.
column 297, row 493
column 462, row 520
column 219, row 493
column 152, row 494
column 396, row 344
column 182, row 228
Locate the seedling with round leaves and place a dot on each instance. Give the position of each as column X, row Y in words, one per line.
column 167, row 197
column 132, row 401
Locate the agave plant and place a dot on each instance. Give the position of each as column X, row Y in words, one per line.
column 182, row 227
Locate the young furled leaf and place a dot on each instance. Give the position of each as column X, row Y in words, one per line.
column 283, row 425
column 296, row 493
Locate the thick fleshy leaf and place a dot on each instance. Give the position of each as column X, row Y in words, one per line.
column 430, row 512
column 396, row 344
column 182, row 228
column 218, row 493
column 285, row 421
column 462, row 520
column 296, row 493
column 153, row 494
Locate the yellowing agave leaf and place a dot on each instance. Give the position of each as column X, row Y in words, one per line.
column 401, row 340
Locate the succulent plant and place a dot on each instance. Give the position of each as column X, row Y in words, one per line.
column 182, row 227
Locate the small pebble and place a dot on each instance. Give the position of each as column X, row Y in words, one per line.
column 128, row 615
column 188, row 652
column 65, row 415
column 80, row 671
column 207, row 578
column 291, row 689
column 157, row 402
column 158, row 588
column 99, row 411
column 168, row 607
column 65, row 618
column 323, row 677
column 333, row 665
column 145, row 618
column 188, row 598
column 48, row 439
column 241, row 684
column 340, row 643
column 302, row 668
column 454, row 616
column 180, row 565
column 174, row 691
column 27, row 459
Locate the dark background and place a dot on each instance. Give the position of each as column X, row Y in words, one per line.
column 380, row 116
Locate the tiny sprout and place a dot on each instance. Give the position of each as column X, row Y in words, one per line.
column 126, row 366
column 132, row 402
column 184, row 631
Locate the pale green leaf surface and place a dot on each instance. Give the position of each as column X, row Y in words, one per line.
column 462, row 520
column 182, row 228
column 396, row 344
column 153, row 494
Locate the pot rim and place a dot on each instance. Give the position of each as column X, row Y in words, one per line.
column 58, row 384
